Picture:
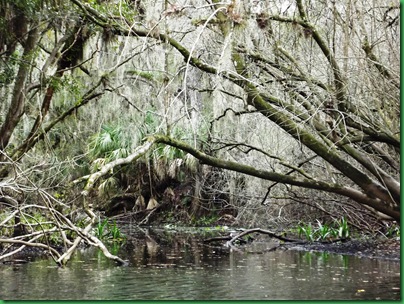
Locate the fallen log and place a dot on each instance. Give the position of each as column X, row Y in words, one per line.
column 230, row 240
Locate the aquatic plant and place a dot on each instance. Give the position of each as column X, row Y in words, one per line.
column 100, row 230
column 393, row 231
column 306, row 231
column 115, row 233
column 107, row 231
column 343, row 229
column 322, row 232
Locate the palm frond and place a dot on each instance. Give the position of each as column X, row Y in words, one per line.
column 108, row 185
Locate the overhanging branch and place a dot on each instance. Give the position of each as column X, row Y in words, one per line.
column 346, row 191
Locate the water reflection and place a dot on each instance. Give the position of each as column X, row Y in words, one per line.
column 174, row 265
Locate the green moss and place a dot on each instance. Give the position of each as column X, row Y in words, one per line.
column 151, row 76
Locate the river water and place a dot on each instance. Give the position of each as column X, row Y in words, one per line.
column 168, row 265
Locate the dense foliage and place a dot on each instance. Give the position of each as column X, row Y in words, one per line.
column 245, row 112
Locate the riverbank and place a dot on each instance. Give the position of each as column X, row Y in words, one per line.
column 375, row 248
column 371, row 248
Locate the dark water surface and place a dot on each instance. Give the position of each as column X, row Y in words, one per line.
column 168, row 265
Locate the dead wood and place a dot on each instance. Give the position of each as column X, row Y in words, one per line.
column 230, row 240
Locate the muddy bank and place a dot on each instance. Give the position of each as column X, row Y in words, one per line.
column 377, row 249
column 267, row 240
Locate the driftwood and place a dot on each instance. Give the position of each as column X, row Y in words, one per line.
column 230, row 243
column 230, row 240
column 84, row 234
column 62, row 223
